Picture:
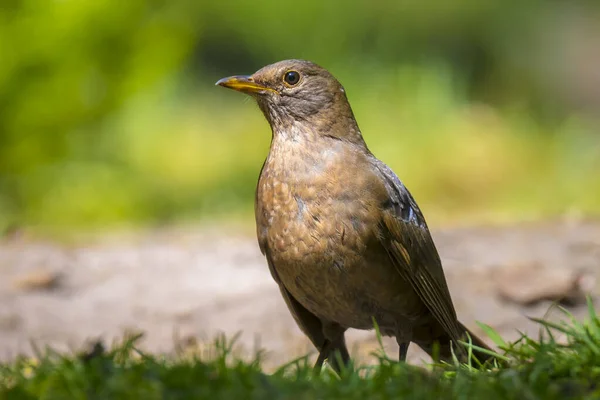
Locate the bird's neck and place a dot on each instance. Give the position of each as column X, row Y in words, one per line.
column 300, row 152
column 318, row 128
column 298, row 142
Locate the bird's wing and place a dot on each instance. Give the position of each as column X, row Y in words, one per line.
column 408, row 242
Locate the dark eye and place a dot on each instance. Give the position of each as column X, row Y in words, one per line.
column 291, row 78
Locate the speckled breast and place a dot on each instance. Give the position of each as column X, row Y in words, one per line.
column 322, row 241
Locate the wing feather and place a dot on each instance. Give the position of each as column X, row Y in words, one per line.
column 412, row 251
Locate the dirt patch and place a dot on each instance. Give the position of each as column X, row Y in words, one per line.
column 194, row 284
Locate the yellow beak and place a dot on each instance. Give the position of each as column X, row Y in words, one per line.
column 243, row 84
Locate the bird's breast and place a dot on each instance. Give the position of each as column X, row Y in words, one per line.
column 314, row 205
column 321, row 232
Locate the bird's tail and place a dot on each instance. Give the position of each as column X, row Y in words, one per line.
column 477, row 341
column 440, row 347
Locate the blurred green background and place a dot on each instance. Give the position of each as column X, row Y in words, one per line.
column 108, row 115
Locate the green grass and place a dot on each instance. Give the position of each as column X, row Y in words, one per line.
column 546, row 368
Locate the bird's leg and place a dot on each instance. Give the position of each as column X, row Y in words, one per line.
column 323, row 354
column 403, row 351
column 403, row 338
column 334, row 344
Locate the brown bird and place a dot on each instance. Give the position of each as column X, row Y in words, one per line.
column 343, row 237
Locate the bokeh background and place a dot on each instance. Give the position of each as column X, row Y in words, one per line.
column 109, row 116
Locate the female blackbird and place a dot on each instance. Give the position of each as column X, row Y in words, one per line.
column 343, row 237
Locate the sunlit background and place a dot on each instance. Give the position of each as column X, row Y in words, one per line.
column 109, row 117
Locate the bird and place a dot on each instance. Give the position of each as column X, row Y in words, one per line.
column 344, row 239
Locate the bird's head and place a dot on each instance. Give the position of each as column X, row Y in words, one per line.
column 298, row 95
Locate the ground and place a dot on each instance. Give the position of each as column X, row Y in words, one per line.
column 183, row 286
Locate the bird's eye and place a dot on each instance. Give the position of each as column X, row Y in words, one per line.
column 291, row 78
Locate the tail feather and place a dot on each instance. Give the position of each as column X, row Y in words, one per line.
column 440, row 347
column 477, row 341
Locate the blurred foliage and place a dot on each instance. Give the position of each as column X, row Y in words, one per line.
column 108, row 114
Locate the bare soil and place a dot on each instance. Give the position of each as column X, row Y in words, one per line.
column 183, row 287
